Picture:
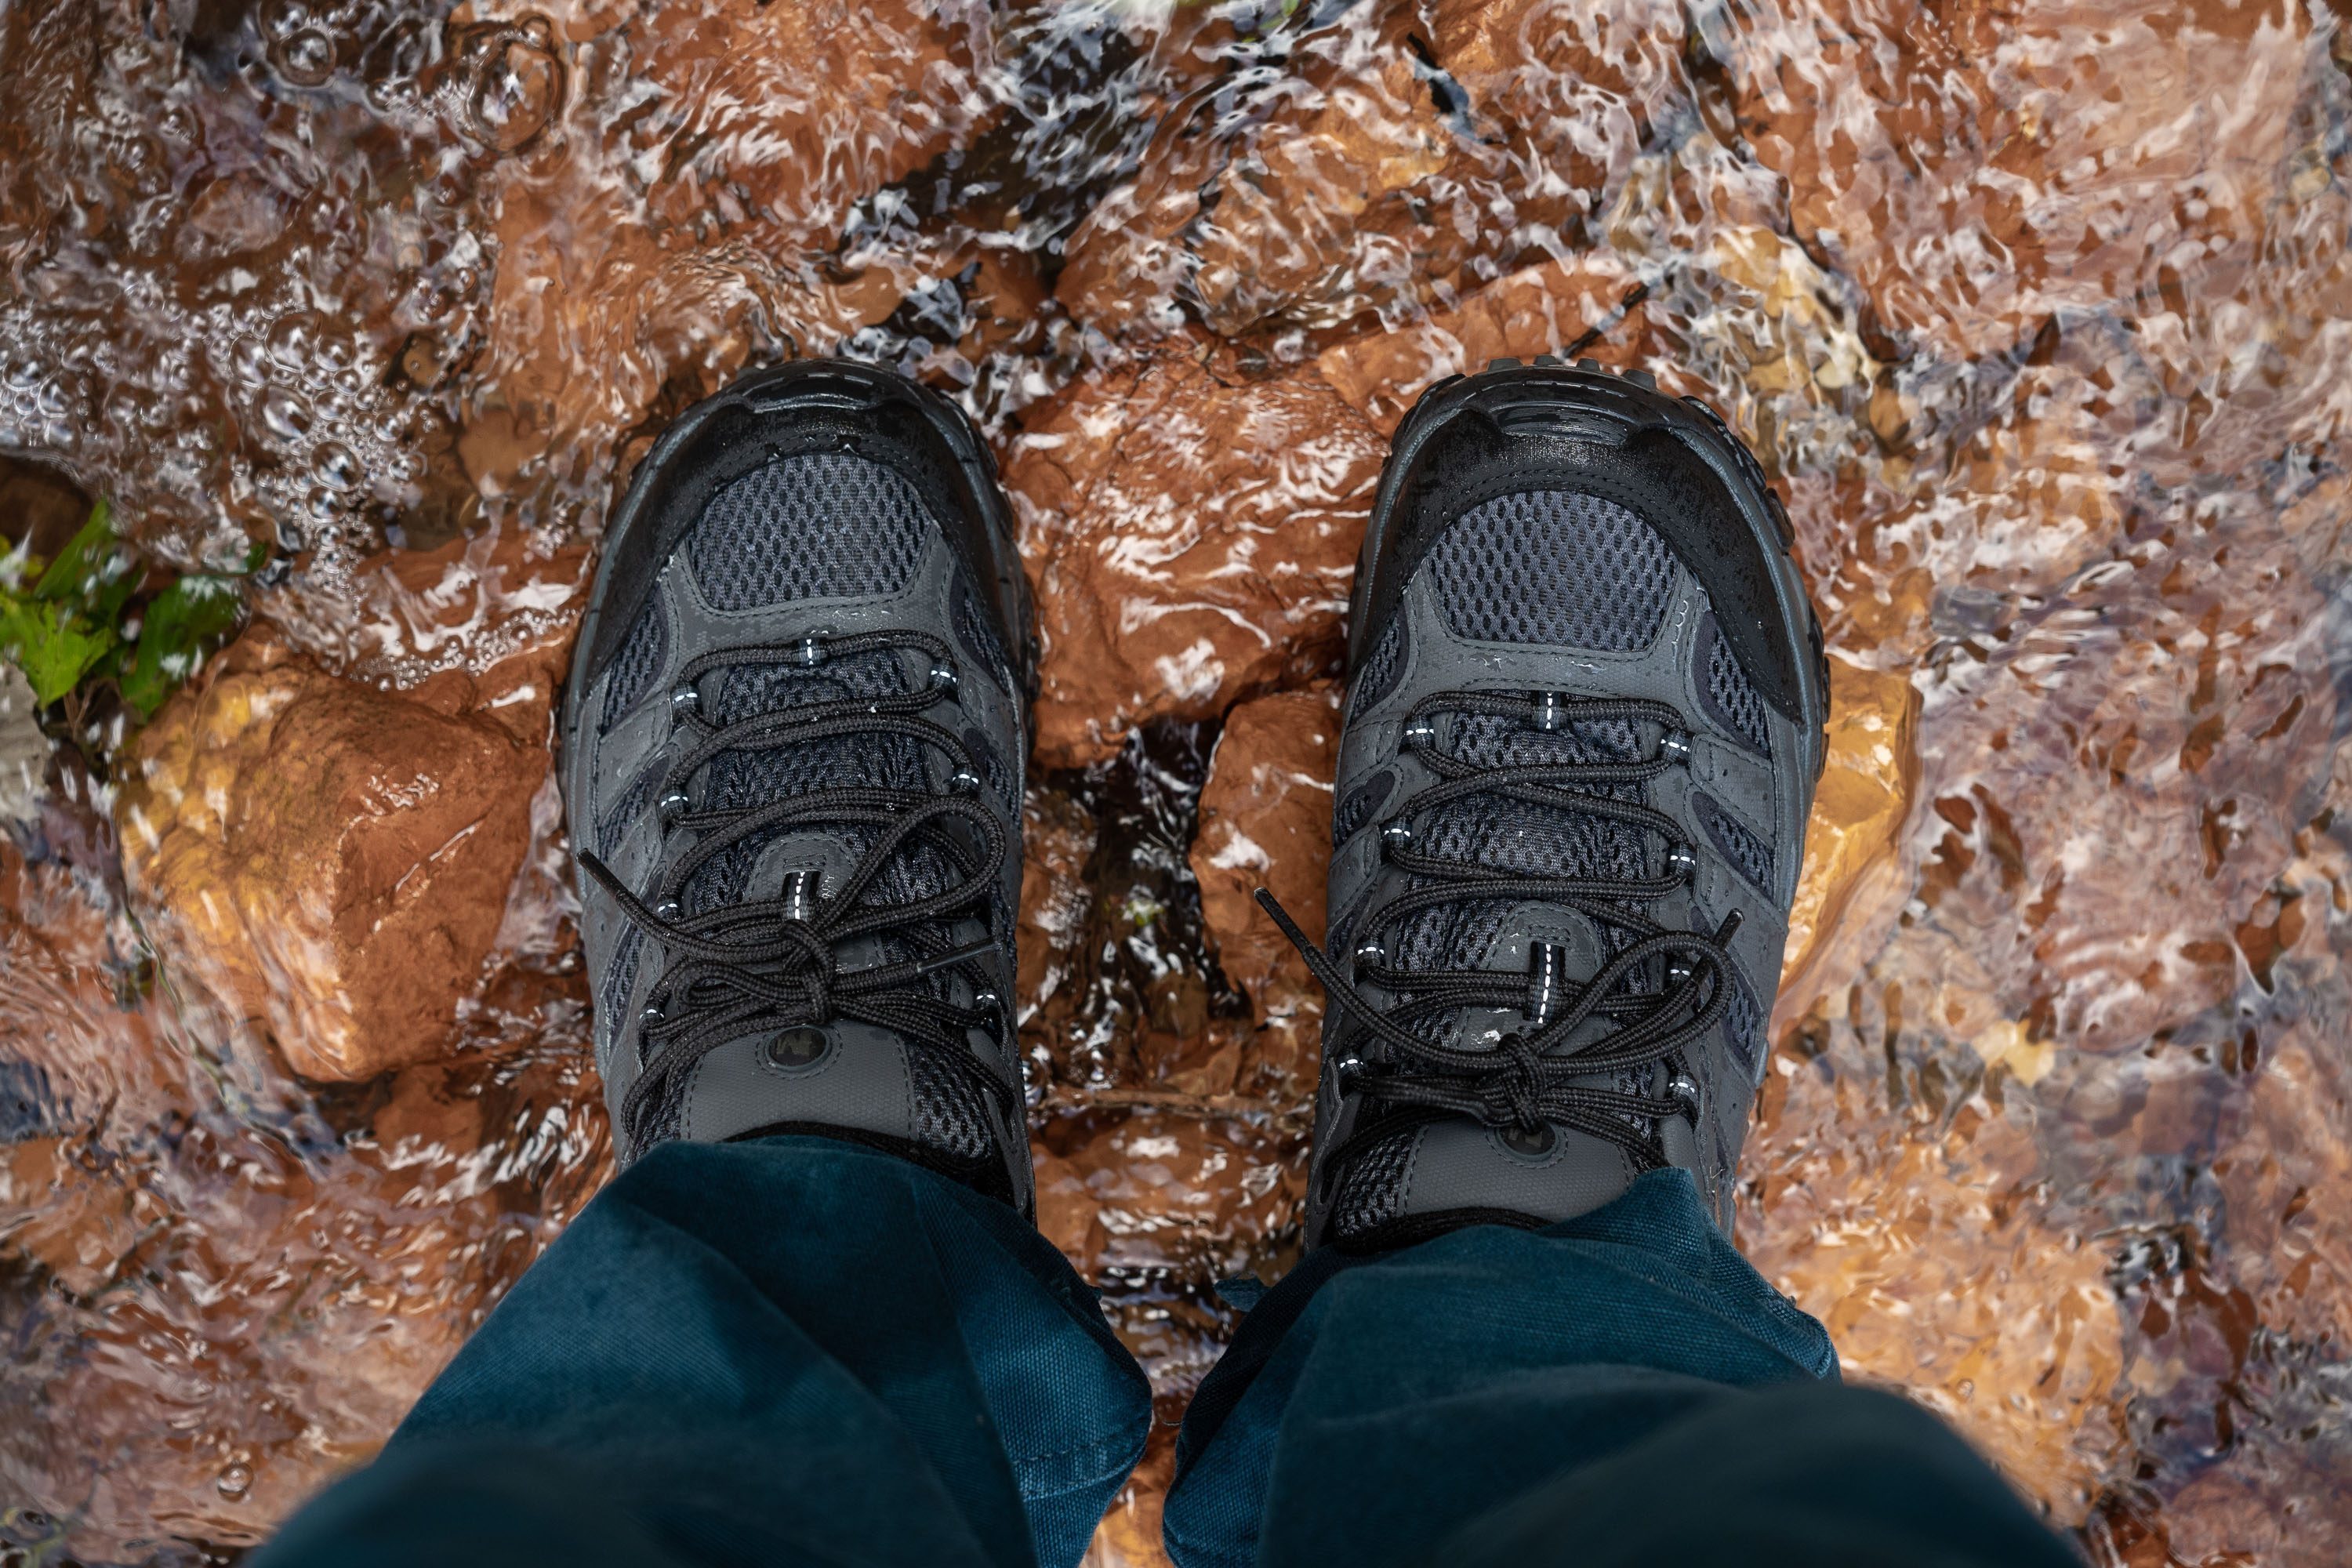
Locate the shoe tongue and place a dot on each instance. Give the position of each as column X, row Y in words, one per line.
column 938, row 1108
column 739, row 779
column 1513, row 835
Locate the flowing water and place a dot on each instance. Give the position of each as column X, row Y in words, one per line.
column 2039, row 314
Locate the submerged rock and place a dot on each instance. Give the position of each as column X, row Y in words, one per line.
column 1265, row 822
column 1192, row 530
column 1977, row 170
column 1402, row 161
column 1852, row 860
column 337, row 855
column 1589, row 307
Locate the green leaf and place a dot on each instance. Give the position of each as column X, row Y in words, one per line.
column 93, row 573
column 179, row 627
column 53, row 646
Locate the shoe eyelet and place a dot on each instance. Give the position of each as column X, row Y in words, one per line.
column 1370, row 953
column 1421, row 732
column 810, row 650
column 1683, row 861
column 1676, row 747
column 964, row 781
column 1529, row 1145
column 1396, row 835
column 1550, row 711
column 684, row 701
column 798, row 1049
column 672, row 806
column 1683, row 1090
column 669, row 909
column 944, row 678
column 1346, row 1067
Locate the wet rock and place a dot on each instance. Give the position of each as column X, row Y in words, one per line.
column 1938, row 1269
column 1576, row 307
column 335, row 857
column 649, row 252
column 1977, row 171
column 1191, row 532
column 1160, row 1199
column 1853, row 868
column 338, row 856
column 24, row 748
column 1057, row 845
column 1265, row 822
column 1410, row 160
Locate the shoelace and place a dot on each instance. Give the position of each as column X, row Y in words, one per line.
column 772, row 963
column 1522, row 1081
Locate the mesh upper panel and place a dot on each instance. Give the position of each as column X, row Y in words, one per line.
column 1357, row 808
column 1517, row 835
column 1553, row 567
column 977, row 635
column 1374, row 1192
column 1379, row 675
column 1731, row 694
column 620, row 975
column 947, row 1110
column 1741, row 847
column 637, row 661
column 1743, row 1027
column 823, row 525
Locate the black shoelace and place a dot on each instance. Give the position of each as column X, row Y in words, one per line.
column 772, row 963
column 1522, row 1082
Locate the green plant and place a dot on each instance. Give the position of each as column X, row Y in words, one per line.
column 74, row 624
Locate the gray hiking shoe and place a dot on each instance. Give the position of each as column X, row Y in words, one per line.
column 794, row 741
column 1584, row 725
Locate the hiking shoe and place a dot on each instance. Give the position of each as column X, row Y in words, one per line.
column 793, row 750
column 1584, row 723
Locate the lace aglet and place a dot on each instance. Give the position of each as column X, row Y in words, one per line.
column 949, row 959
column 1281, row 917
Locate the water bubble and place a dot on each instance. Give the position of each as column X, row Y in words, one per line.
column 518, row 89
column 305, row 59
column 323, row 503
column 24, row 373
column 285, row 415
column 235, row 1481
column 248, row 360
column 338, row 466
column 294, row 339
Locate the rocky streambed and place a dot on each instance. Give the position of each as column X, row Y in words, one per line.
column 357, row 311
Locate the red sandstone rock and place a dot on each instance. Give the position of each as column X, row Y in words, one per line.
column 335, row 856
column 761, row 127
column 1554, row 308
column 1191, row 532
column 1360, row 186
column 1265, row 822
column 1186, row 1199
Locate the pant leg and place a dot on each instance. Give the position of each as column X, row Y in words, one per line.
column 1618, row 1388
column 787, row 1352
